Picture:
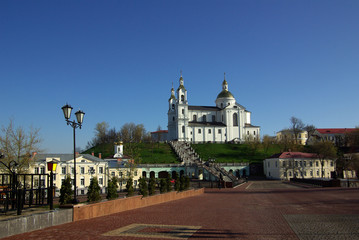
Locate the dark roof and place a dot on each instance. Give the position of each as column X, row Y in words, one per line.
column 193, row 123
column 207, row 108
column 160, row 131
column 250, row 125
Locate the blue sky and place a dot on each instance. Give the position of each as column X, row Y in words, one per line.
column 116, row 61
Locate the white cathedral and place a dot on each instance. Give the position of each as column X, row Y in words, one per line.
column 227, row 121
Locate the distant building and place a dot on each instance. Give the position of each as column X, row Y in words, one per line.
column 335, row 135
column 227, row 121
column 87, row 167
column 289, row 165
column 288, row 134
column 159, row 136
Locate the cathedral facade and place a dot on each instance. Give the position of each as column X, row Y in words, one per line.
column 227, row 121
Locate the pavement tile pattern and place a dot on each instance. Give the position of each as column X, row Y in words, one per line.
column 326, row 227
column 257, row 210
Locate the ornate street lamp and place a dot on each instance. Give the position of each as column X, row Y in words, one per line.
column 51, row 166
column 79, row 117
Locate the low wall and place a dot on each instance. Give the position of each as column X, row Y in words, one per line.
column 82, row 211
column 33, row 222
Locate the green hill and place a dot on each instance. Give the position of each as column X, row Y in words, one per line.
column 151, row 153
column 225, row 153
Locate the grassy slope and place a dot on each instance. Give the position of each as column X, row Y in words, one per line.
column 234, row 152
column 162, row 153
column 149, row 152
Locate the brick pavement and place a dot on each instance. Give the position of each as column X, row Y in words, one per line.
column 256, row 210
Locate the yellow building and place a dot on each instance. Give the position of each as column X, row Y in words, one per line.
column 288, row 135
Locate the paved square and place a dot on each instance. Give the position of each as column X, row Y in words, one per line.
column 326, row 227
column 154, row 231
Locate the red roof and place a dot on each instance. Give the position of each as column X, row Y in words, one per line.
column 285, row 155
column 335, row 130
column 161, row 131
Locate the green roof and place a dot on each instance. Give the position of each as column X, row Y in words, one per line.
column 225, row 94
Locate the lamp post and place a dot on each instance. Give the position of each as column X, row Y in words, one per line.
column 51, row 166
column 79, row 116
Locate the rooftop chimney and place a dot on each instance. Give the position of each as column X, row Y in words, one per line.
column 93, row 154
column 99, row 155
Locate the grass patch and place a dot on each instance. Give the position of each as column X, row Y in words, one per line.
column 229, row 153
column 152, row 153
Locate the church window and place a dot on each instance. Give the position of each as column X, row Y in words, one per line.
column 254, row 132
column 247, row 132
column 182, row 111
column 173, row 106
column 182, row 98
column 213, row 118
column 235, row 119
column 183, row 129
column 221, row 105
column 219, row 131
column 173, row 118
column 199, row 131
column 204, row 118
column 195, row 118
column 209, row 131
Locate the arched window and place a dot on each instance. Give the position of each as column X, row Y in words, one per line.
column 235, row 119
column 195, row 118
column 173, row 106
column 182, row 98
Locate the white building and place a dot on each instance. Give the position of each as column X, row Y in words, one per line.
column 288, row 165
column 227, row 121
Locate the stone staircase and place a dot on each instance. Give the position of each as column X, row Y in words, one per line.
column 188, row 156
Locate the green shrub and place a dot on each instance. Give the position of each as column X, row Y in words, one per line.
column 143, row 188
column 112, row 189
column 129, row 187
column 177, row 182
column 66, row 191
column 152, row 186
column 163, row 185
column 93, row 193
column 168, row 183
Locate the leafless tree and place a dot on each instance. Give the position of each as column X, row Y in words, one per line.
column 297, row 126
column 17, row 145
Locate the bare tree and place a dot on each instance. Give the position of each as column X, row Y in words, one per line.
column 310, row 130
column 17, row 146
column 297, row 126
column 266, row 142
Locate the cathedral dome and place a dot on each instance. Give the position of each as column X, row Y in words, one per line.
column 225, row 94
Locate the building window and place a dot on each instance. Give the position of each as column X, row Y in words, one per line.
column 284, row 164
column 209, row 131
column 311, row 173
column 36, row 170
column 173, row 106
column 276, row 164
column 82, row 170
column 72, row 170
column 254, row 133
column 182, row 111
column 311, row 164
column 195, row 118
column 183, row 129
column 221, row 105
column 42, row 170
column 317, row 172
column 213, row 118
column 331, row 164
column 100, row 170
column 204, row 118
column 173, row 118
column 135, row 173
column 182, row 98
column 199, row 131
column 247, row 132
column 100, row 181
column 235, row 119
column 219, row 131
column 317, row 163
column 113, row 174
column 82, row 182
column 63, row 170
